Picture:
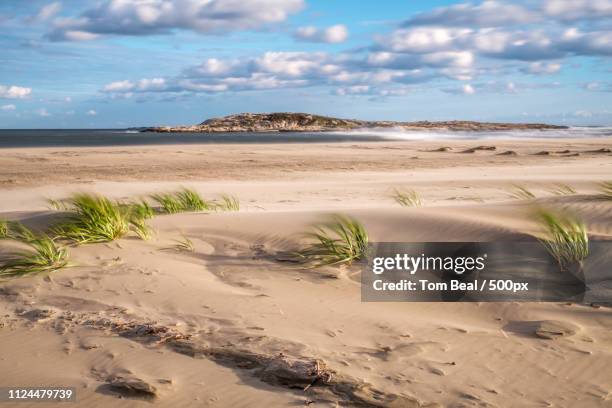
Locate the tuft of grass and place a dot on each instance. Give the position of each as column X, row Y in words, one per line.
column 192, row 201
column 184, row 244
column 141, row 210
column 342, row 240
column 521, row 193
column 169, row 203
column 4, row 229
column 19, row 232
column 139, row 225
column 15, row 230
column 229, row 203
column 138, row 214
column 562, row 189
column 44, row 255
column 95, row 218
column 606, row 189
column 185, row 200
column 565, row 237
column 408, row 198
column 58, row 205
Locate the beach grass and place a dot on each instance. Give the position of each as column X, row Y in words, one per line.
column 342, row 240
column 191, row 200
column 407, row 198
column 138, row 214
column 138, row 224
column 229, row 203
column 184, row 244
column 58, row 205
column 19, row 232
column 4, row 229
column 96, row 218
column 44, row 255
column 168, row 202
column 565, row 237
column 606, row 189
column 561, row 189
column 185, row 200
column 522, row 193
column 141, row 210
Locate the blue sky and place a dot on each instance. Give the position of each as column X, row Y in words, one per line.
column 120, row 63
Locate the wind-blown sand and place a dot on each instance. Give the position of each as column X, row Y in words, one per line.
column 198, row 326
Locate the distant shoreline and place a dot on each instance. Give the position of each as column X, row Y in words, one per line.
column 305, row 122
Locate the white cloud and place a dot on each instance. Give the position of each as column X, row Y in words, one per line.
column 148, row 17
column 43, row 112
column 91, row 112
column 331, row 35
column 468, row 89
column 143, row 85
column 491, row 41
column 154, row 84
column 541, row 68
column 578, row 42
column 571, row 10
column 493, row 13
column 48, row 11
column 524, row 31
column 119, row 86
column 465, row 89
column 486, row 14
column 294, row 64
column 214, row 67
column 353, row 90
column 9, row 107
column 473, row 45
column 273, row 70
column 423, row 39
column 14, row 92
column 77, row 35
column 459, row 59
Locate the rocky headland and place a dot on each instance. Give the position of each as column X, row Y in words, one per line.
column 305, row 122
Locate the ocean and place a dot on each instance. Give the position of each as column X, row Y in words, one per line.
column 120, row 137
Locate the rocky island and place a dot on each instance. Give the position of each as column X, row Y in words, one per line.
column 305, row 122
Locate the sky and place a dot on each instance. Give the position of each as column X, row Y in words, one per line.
column 125, row 63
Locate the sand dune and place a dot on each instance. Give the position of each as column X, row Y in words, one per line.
column 207, row 327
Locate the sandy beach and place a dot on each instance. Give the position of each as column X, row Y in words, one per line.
column 214, row 326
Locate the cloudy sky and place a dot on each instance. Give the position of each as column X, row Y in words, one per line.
column 118, row 63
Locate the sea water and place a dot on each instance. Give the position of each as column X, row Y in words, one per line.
column 127, row 137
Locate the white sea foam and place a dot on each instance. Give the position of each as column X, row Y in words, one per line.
column 401, row 134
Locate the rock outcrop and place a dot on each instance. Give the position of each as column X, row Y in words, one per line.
column 305, row 122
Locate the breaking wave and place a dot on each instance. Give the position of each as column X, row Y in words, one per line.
column 402, row 134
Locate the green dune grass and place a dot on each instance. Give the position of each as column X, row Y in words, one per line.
column 43, row 255
column 565, row 237
column 606, row 189
column 95, row 218
column 562, row 190
column 185, row 200
column 522, row 193
column 342, row 240
column 408, row 198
